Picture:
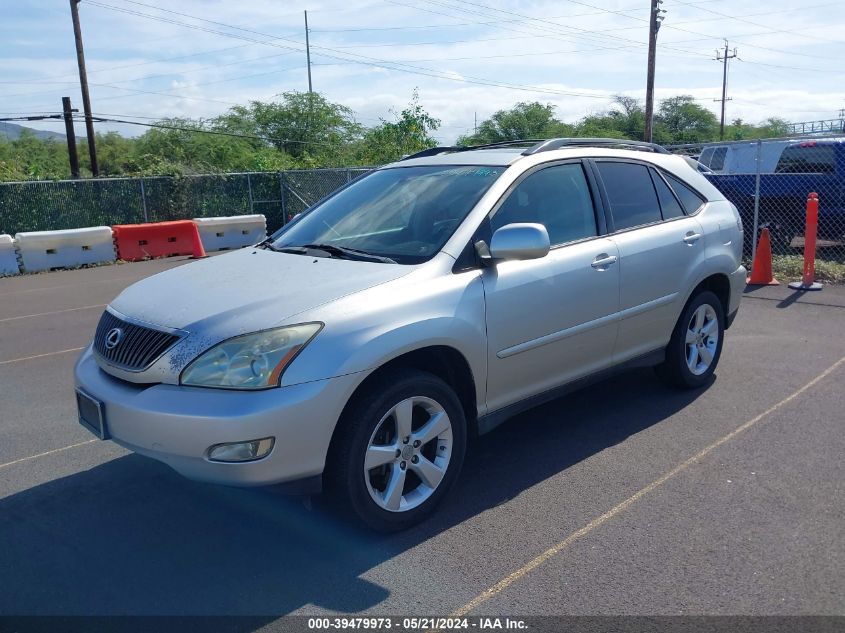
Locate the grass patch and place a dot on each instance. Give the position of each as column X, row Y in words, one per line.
column 791, row 268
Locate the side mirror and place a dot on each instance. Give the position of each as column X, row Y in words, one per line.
column 520, row 241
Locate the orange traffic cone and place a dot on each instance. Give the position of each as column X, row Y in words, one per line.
column 761, row 269
column 196, row 244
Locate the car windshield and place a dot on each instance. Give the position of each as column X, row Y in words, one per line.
column 405, row 214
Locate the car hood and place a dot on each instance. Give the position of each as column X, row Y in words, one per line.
column 248, row 290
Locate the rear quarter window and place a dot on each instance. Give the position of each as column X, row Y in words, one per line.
column 669, row 204
column 690, row 199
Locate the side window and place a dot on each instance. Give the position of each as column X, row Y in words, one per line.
column 557, row 197
column 669, row 204
column 706, row 156
column 690, row 199
column 717, row 162
column 633, row 201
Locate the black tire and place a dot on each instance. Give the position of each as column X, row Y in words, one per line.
column 345, row 476
column 675, row 370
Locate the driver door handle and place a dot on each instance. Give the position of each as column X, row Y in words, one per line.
column 601, row 262
column 691, row 238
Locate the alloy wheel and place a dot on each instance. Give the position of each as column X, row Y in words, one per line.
column 702, row 339
column 408, row 454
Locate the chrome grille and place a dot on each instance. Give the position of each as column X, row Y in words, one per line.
column 138, row 347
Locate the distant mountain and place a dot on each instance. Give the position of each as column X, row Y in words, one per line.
column 13, row 131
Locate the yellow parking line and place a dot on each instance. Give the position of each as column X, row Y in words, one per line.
column 29, row 316
column 18, row 360
column 553, row 551
column 55, row 450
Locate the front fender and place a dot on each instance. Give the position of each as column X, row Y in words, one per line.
column 365, row 331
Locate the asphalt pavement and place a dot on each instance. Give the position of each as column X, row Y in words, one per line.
column 625, row 498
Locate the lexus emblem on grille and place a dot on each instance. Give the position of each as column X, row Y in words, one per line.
column 114, row 337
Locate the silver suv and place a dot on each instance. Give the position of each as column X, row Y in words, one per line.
column 357, row 348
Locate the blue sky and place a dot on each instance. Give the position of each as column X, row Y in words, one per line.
column 467, row 58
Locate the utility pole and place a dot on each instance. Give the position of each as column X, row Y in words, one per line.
column 71, row 137
column 724, row 57
column 83, row 83
column 655, row 19
column 308, row 53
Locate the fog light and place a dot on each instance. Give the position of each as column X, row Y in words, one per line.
column 241, row 451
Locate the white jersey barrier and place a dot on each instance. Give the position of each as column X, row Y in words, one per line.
column 220, row 234
column 8, row 256
column 43, row 250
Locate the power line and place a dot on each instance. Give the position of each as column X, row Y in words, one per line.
column 455, row 24
column 167, row 126
column 369, row 61
column 630, row 17
column 742, row 19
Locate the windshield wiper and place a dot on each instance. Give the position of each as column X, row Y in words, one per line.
column 268, row 244
column 348, row 253
column 341, row 252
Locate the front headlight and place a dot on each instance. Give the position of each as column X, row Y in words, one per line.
column 250, row 361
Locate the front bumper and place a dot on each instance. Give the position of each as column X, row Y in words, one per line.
column 176, row 425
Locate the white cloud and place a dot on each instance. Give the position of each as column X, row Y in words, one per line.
column 789, row 56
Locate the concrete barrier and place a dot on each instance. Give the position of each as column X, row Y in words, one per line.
column 8, row 256
column 43, row 250
column 220, row 234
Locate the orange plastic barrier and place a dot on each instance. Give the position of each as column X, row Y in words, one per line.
column 136, row 242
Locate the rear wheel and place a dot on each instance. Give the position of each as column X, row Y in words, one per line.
column 696, row 344
column 398, row 450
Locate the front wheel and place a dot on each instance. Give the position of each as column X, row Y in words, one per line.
column 398, row 450
column 696, row 344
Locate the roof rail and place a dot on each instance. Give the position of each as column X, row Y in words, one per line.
column 431, row 151
column 621, row 143
column 434, row 151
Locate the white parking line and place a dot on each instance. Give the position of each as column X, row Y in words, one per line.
column 18, row 360
column 55, row 450
column 29, row 316
column 554, row 550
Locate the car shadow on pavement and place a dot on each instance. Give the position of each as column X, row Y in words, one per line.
column 132, row 537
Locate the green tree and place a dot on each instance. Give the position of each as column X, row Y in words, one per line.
column 390, row 140
column 525, row 120
column 625, row 119
column 681, row 120
column 773, row 127
column 31, row 158
column 115, row 154
column 184, row 146
column 311, row 129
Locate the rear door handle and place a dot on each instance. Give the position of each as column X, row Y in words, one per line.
column 601, row 262
column 691, row 238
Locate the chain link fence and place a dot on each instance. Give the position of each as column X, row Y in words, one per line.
column 70, row 204
column 769, row 182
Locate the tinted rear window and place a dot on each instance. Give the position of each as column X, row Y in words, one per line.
column 691, row 200
column 807, row 158
column 633, row 201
